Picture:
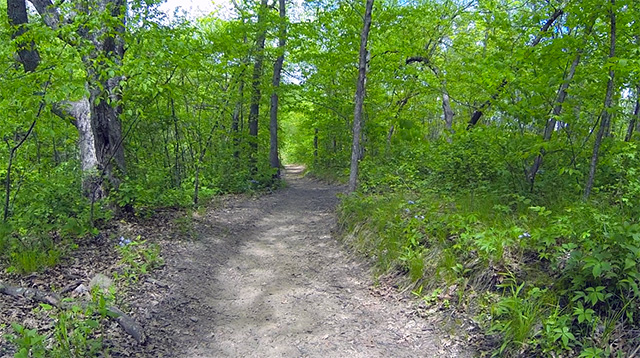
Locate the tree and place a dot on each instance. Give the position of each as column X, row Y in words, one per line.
column 605, row 116
column 552, row 121
column 96, row 116
column 477, row 114
column 274, row 159
column 359, row 98
column 633, row 123
column 256, row 95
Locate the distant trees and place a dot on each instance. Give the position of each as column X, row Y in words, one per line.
column 110, row 107
column 531, row 71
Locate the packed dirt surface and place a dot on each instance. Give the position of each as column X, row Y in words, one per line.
column 250, row 277
column 269, row 280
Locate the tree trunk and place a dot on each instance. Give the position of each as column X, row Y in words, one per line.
column 274, row 159
column 446, row 101
column 97, row 115
column 254, row 109
column 448, row 112
column 27, row 52
column 176, row 147
column 315, row 146
column 635, row 118
column 605, row 120
column 359, row 100
column 238, row 113
column 551, row 122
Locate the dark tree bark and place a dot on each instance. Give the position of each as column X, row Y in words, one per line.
column 359, row 100
column 556, row 14
column 18, row 19
column 605, row 117
column 635, row 118
column 256, row 95
column 274, row 159
column 477, row 114
column 104, row 92
column 30, row 59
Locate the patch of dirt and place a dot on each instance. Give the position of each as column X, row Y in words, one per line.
column 256, row 277
column 267, row 279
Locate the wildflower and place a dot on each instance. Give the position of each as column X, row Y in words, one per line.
column 524, row 235
column 124, row 242
column 411, row 202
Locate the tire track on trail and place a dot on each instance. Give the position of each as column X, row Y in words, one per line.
column 267, row 279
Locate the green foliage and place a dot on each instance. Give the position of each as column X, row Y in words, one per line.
column 137, row 257
column 579, row 260
column 516, row 315
column 47, row 214
column 76, row 332
column 28, row 342
column 444, row 204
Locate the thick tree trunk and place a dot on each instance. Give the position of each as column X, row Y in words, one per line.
column 274, row 159
column 359, row 100
column 551, row 122
column 97, row 115
column 256, row 95
column 605, row 120
column 108, row 139
column 237, row 111
column 635, row 118
column 238, row 118
column 80, row 114
column 104, row 98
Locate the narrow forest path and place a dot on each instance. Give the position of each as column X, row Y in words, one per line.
column 269, row 280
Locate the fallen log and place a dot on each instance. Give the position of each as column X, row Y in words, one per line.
column 127, row 323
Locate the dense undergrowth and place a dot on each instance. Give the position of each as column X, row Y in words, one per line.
column 545, row 272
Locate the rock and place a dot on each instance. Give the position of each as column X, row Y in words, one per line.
column 81, row 289
column 194, row 319
column 101, row 281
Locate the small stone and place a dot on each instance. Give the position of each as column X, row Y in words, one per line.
column 194, row 319
column 101, row 281
column 81, row 289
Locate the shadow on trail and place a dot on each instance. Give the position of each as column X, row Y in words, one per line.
column 268, row 280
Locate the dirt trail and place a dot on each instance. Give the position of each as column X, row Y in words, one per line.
column 269, row 280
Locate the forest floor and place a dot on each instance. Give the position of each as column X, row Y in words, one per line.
column 265, row 277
